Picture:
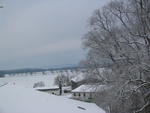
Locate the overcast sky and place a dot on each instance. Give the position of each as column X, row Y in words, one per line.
column 42, row 33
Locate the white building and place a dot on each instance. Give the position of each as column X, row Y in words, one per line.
column 87, row 92
column 51, row 90
column 54, row 90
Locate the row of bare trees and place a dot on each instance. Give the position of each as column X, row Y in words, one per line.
column 120, row 33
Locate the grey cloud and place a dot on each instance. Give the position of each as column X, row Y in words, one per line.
column 34, row 28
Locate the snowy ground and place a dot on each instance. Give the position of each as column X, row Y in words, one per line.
column 28, row 81
column 22, row 98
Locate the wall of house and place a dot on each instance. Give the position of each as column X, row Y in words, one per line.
column 56, row 91
column 53, row 91
column 66, row 92
column 87, row 96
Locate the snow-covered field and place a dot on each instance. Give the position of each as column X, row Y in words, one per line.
column 18, row 96
column 28, row 81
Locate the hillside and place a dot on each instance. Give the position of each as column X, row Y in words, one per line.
column 18, row 99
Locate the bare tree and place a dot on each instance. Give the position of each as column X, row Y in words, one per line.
column 120, row 32
column 64, row 79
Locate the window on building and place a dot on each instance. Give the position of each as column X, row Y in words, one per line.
column 79, row 95
column 84, row 95
column 74, row 94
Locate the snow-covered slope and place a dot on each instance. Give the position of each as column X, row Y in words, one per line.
column 18, row 96
column 17, row 99
column 28, row 81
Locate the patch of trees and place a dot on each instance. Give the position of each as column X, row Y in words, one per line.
column 120, row 32
column 65, row 80
column 39, row 84
column 20, row 71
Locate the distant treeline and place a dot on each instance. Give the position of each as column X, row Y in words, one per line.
column 29, row 70
column 103, row 63
column 17, row 71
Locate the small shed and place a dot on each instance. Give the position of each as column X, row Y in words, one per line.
column 66, row 89
column 87, row 92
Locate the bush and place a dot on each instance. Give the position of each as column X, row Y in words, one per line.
column 39, row 84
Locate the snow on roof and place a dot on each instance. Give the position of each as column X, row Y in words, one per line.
column 81, row 76
column 53, row 87
column 67, row 88
column 78, row 78
column 47, row 88
column 27, row 100
column 90, row 88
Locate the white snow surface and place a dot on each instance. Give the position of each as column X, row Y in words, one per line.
column 18, row 96
column 53, row 87
column 28, row 81
column 79, row 77
column 90, row 88
column 14, row 99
